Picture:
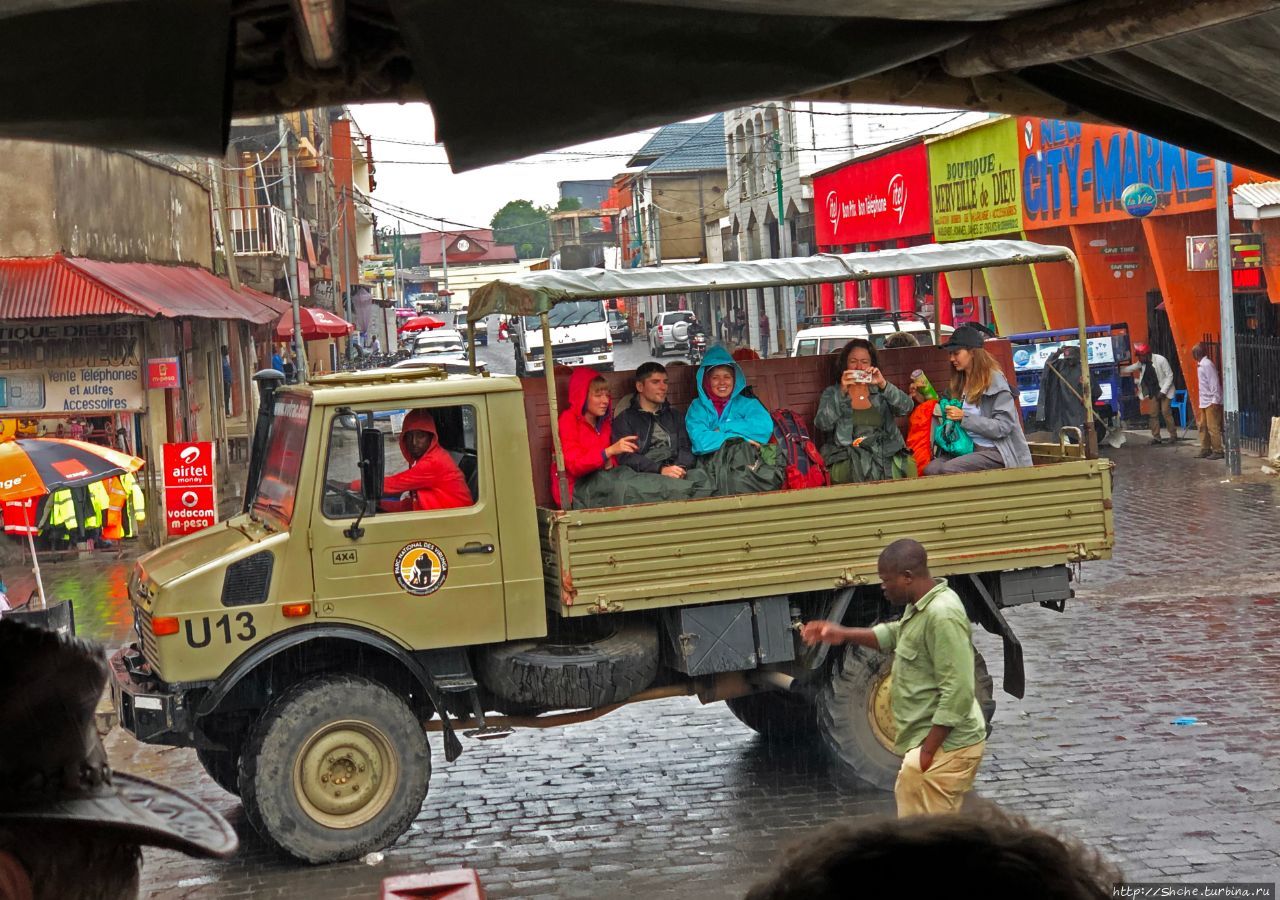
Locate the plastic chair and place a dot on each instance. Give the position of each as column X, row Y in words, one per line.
column 1179, row 402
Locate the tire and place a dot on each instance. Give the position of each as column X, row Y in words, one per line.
column 656, row 351
column 777, row 716
column 327, row 731
column 855, row 721
column 521, row 371
column 223, row 767
column 567, row 673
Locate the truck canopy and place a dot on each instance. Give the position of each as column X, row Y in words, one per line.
column 537, row 292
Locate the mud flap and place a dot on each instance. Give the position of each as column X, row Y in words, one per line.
column 1015, row 676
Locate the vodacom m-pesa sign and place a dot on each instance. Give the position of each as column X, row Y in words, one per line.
column 190, row 501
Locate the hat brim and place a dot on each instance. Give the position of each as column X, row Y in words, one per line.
column 143, row 811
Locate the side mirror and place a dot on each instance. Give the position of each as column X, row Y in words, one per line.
column 372, row 463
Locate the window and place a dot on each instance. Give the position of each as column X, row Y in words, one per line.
column 435, row 488
column 807, row 347
column 282, row 461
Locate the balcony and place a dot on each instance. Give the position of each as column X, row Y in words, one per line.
column 259, row 230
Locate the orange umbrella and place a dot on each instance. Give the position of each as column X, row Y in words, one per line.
column 32, row 467
column 421, row 323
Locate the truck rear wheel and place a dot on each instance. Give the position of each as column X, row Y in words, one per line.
column 777, row 716
column 336, row 767
column 223, row 767
column 573, row 672
column 855, row 718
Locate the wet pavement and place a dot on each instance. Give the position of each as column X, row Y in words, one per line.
column 670, row 799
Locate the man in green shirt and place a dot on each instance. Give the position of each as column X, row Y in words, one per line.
column 941, row 731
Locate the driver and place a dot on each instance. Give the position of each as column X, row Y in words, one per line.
column 432, row 480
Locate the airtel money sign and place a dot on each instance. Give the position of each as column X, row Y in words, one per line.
column 189, row 494
column 873, row 199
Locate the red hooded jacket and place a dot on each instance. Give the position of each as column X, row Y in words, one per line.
column 582, row 443
column 434, row 478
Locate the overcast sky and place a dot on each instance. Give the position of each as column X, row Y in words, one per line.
column 417, row 177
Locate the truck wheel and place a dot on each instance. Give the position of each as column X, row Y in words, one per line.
column 563, row 673
column 777, row 716
column 223, row 767
column 336, row 767
column 855, row 718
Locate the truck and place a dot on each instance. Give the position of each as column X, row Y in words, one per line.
column 313, row 648
column 579, row 336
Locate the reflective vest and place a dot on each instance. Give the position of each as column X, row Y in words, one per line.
column 114, row 511
column 135, row 504
column 62, row 510
column 98, row 501
column 20, row 516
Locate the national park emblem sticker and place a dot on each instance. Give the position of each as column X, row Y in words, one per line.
column 421, row 568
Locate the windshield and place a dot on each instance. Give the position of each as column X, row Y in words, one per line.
column 572, row 312
column 282, row 461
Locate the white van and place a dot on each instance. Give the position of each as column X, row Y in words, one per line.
column 873, row 325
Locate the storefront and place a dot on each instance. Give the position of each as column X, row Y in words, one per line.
column 875, row 202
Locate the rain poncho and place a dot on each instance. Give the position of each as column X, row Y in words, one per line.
column 433, row 480
column 743, row 416
column 865, row 445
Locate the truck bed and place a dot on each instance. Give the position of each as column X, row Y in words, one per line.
column 724, row 548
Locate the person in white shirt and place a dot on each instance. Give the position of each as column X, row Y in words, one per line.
column 1154, row 377
column 1210, row 404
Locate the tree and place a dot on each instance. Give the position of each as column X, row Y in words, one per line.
column 568, row 204
column 521, row 223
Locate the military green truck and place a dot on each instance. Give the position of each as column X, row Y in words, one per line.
column 311, row 648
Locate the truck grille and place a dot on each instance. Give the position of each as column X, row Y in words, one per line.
column 563, row 351
column 142, row 624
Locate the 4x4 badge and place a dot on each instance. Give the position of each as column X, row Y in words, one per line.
column 421, row 568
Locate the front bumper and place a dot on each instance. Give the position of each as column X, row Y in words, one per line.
column 147, row 708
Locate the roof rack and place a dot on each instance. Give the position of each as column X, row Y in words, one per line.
column 863, row 316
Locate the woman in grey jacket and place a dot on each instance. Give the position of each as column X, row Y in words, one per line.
column 988, row 413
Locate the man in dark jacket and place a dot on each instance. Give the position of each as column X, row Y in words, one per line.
column 662, row 444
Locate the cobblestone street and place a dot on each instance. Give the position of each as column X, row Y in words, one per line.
column 669, row 799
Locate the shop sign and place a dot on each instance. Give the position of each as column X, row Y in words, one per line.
column 1033, row 357
column 189, row 491
column 1122, row 260
column 164, row 373
column 1202, row 252
column 973, row 177
column 1074, row 173
column 71, row 368
column 876, row 199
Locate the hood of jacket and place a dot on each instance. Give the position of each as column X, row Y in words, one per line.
column 718, row 356
column 418, row 420
column 579, row 382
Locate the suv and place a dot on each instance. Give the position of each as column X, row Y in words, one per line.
column 482, row 327
column 830, row 334
column 662, row 334
column 619, row 327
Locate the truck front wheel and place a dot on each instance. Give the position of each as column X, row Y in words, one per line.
column 336, row 767
column 855, row 717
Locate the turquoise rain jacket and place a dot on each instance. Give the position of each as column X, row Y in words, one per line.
column 743, row 417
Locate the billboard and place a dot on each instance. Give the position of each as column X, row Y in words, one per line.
column 974, row 179
column 70, row 368
column 190, row 499
column 876, row 199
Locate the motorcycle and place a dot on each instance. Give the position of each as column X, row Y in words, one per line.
column 697, row 348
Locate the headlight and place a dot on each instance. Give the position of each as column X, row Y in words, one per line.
column 600, row 347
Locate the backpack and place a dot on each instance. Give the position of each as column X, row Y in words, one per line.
column 804, row 465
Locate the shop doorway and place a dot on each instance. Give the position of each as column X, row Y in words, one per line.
column 1160, row 336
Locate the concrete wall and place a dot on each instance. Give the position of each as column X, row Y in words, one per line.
column 95, row 203
column 682, row 202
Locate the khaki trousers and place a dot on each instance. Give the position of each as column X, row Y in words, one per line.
column 942, row 788
column 1211, row 428
column 1161, row 405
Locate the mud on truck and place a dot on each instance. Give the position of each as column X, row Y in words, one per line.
column 312, row 649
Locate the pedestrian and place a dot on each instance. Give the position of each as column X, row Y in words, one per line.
column 1210, row 404
column 277, row 361
column 764, row 333
column 226, row 379
column 376, row 345
column 70, row 826
column 941, row 730
column 1154, row 377
column 502, row 328
column 719, row 324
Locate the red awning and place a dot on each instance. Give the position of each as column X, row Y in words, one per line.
column 62, row 287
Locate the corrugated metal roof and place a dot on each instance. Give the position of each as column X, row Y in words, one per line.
column 60, row 287
column 1258, row 194
column 702, row 151
column 664, row 139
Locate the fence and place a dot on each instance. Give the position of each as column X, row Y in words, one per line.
column 1258, row 380
column 258, row 229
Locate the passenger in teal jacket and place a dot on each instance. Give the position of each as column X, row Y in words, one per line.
column 722, row 411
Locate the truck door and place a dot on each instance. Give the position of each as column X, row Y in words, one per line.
column 431, row 577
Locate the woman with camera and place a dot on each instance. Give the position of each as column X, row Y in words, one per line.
column 859, row 413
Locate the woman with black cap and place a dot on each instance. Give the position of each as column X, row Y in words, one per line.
column 986, row 411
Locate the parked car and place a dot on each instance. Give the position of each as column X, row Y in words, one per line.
column 453, row 363
column 459, row 318
column 441, row 340
column 619, row 327
column 662, row 334
column 823, row 339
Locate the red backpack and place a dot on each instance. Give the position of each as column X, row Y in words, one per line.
column 805, row 467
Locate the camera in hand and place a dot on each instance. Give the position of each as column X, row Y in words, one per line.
column 860, row 376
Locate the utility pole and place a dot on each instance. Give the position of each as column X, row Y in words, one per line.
column 782, row 304
column 1227, row 312
column 291, row 264
column 444, row 264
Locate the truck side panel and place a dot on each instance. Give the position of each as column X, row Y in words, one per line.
column 701, row 551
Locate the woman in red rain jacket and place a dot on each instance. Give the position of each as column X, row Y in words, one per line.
column 586, row 432
column 433, row 480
